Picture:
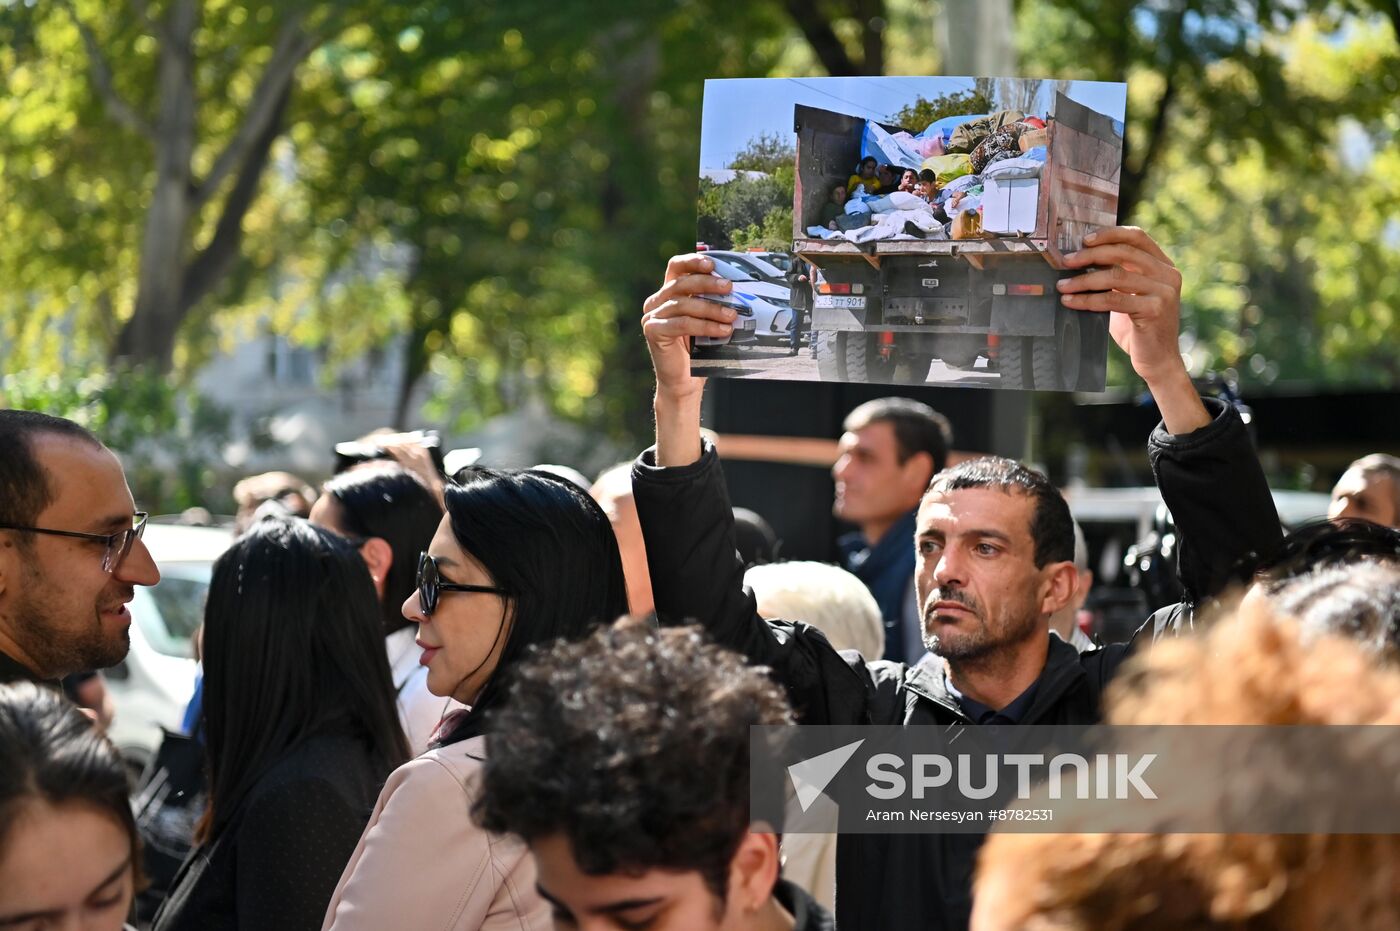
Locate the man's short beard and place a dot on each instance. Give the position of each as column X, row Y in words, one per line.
column 977, row 644
column 60, row 652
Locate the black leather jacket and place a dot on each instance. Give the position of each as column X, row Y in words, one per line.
column 1210, row 479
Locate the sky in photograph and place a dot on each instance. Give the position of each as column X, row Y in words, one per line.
column 741, row 109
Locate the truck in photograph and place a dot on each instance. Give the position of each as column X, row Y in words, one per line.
column 885, row 310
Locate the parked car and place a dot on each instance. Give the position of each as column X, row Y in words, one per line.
column 771, row 303
column 780, row 260
column 151, row 687
column 744, row 325
column 1132, row 549
column 754, row 263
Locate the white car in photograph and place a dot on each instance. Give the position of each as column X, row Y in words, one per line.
column 771, row 303
column 152, row 686
column 754, row 263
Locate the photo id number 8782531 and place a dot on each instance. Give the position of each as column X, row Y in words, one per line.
column 846, row 303
column 1020, row 814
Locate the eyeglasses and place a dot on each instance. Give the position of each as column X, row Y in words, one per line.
column 430, row 585
column 117, row 544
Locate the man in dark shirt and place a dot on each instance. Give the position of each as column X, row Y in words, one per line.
column 994, row 560
column 889, row 449
column 70, row 550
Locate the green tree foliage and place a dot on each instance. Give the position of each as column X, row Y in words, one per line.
column 916, row 116
column 1237, row 162
column 768, row 153
column 168, row 439
column 746, row 210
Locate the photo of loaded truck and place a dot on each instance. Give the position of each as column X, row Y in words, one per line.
column 1010, row 194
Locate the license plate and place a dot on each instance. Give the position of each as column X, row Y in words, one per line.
column 930, row 282
column 832, row 300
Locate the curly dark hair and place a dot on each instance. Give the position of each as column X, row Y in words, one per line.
column 634, row 744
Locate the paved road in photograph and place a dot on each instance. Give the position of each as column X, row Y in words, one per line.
column 773, row 362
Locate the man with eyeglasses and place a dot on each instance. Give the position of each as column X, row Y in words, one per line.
column 70, row 550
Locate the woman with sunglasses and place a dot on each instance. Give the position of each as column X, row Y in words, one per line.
column 299, row 726
column 69, row 853
column 520, row 559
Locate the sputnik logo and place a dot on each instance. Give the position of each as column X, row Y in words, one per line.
column 812, row 776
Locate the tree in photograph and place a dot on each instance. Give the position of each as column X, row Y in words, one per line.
column 918, row 115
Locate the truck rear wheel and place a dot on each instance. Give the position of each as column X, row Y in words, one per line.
column 1057, row 358
column 1014, row 362
column 864, row 363
column 831, row 355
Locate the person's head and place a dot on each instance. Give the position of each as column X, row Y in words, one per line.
column 1252, row 669
column 1360, row 601
column 293, row 647
column 755, row 538
column 1066, row 619
column 1369, row 490
column 828, row 597
column 623, row 762
column 1322, row 543
column 890, row 449
column 284, row 492
column 67, row 576
column 543, row 564
column 995, row 550
column 839, row 193
column 69, row 849
column 613, row 492
column 866, row 168
column 927, row 186
column 887, row 176
column 390, row 516
column 907, row 179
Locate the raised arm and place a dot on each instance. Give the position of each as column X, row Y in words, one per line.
column 1205, row 466
column 688, row 523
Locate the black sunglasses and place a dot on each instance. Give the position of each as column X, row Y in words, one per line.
column 430, row 585
column 117, row 544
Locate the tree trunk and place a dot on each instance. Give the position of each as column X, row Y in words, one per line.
column 149, row 336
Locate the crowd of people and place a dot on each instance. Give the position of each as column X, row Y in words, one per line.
column 505, row 699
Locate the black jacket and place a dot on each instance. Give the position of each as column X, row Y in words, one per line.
column 1215, row 488
column 277, row 861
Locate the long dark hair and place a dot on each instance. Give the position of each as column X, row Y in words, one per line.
column 292, row 648
column 50, row 751
column 547, row 543
column 389, row 502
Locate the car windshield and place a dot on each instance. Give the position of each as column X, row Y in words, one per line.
column 172, row 611
column 732, row 272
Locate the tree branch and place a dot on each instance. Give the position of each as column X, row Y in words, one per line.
column 211, row 265
column 121, row 112
column 291, row 48
column 823, row 39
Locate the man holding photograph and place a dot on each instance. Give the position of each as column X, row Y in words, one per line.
column 994, row 560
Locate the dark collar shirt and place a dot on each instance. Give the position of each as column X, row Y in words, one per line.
column 12, row 670
column 982, row 714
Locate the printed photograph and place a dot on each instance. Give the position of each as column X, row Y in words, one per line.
column 907, row 230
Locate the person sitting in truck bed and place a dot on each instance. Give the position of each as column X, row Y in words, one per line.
column 889, row 177
column 908, row 180
column 835, row 206
column 865, row 175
